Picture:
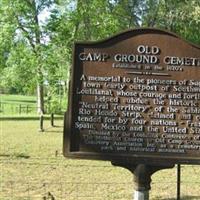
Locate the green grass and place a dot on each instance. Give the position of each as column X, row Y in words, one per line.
column 33, row 168
column 20, row 106
column 18, row 98
column 17, row 105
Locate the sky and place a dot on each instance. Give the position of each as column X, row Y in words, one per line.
column 44, row 15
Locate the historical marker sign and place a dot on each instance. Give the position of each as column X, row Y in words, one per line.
column 135, row 96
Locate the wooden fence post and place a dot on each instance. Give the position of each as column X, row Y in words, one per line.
column 41, row 129
column 52, row 119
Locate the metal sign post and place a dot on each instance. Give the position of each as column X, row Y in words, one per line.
column 178, row 182
column 142, row 176
column 141, row 195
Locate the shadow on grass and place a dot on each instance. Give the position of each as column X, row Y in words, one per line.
column 19, row 100
column 56, row 126
column 20, row 155
column 46, row 131
column 183, row 198
column 5, row 155
column 49, row 129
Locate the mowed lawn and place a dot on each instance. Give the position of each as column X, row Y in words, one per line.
column 24, row 106
column 17, row 105
column 32, row 167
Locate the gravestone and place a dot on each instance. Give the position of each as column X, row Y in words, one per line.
column 135, row 100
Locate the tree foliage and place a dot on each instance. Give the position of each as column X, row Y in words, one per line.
column 35, row 52
column 181, row 17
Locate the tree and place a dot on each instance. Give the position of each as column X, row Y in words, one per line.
column 33, row 52
column 76, row 20
column 20, row 79
column 7, row 32
column 179, row 16
column 29, row 31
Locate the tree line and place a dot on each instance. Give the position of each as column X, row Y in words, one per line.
column 37, row 36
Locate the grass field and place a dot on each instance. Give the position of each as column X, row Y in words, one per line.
column 23, row 106
column 17, row 105
column 32, row 167
column 18, row 98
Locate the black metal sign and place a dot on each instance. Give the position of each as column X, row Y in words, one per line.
column 135, row 96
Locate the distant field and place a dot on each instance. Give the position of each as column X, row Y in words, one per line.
column 18, row 98
column 33, row 168
column 20, row 105
column 17, row 105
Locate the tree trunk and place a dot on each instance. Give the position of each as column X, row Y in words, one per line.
column 40, row 87
column 40, row 99
column 40, row 106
